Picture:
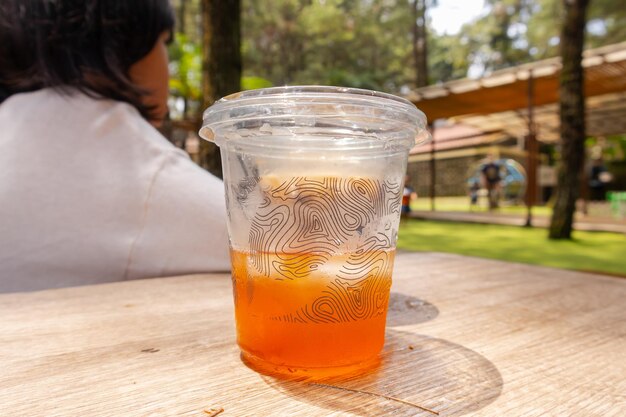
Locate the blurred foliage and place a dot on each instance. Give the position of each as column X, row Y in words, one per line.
column 611, row 148
column 185, row 67
column 352, row 43
column 252, row 83
column 519, row 31
column 368, row 43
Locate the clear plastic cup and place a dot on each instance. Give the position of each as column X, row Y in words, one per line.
column 313, row 178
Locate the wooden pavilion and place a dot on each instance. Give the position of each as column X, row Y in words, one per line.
column 511, row 112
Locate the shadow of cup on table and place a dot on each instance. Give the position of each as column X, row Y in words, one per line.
column 423, row 375
column 404, row 310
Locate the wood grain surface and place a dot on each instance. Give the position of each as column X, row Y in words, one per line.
column 465, row 337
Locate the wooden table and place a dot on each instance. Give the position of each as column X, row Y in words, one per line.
column 465, row 337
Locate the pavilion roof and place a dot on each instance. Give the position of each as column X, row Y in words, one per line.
column 499, row 101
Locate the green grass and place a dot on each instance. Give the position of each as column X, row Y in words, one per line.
column 589, row 251
column 463, row 204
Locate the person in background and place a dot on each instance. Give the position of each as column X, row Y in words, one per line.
column 90, row 191
column 474, row 188
column 491, row 178
column 408, row 195
column 599, row 177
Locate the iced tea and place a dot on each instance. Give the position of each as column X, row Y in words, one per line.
column 331, row 318
column 313, row 182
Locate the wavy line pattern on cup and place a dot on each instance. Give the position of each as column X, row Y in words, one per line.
column 303, row 222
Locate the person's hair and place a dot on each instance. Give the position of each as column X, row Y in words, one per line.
column 89, row 45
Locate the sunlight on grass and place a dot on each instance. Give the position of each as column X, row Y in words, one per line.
column 463, row 204
column 589, row 251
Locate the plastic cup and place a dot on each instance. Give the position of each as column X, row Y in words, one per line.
column 313, row 178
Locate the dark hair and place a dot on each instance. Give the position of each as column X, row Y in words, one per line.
column 86, row 44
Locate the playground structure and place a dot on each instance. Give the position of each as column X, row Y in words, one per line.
column 512, row 186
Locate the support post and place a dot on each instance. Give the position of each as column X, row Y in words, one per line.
column 531, row 155
column 432, row 168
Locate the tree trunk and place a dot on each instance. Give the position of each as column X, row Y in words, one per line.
column 420, row 51
column 182, row 14
column 221, row 64
column 572, row 113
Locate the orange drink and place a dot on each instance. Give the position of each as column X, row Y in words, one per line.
column 305, row 326
column 313, row 184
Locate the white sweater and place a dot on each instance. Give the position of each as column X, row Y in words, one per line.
column 90, row 192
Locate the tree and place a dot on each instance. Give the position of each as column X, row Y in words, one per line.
column 606, row 23
column 181, row 16
column 447, row 58
column 498, row 40
column 186, row 74
column 221, row 64
column 572, row 115
column 188, row 19
column 420, row 43
column 354, row 43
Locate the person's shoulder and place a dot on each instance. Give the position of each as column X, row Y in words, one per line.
column 82, row 122
column 52, row 99
column 122, row 120
column 68, row 109
column 28, row 104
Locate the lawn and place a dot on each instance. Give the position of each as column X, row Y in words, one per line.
column 589, row 251
column 463, row 204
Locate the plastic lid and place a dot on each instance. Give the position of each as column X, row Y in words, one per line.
column 321, row 116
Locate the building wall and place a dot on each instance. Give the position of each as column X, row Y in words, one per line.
column 450, row 175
